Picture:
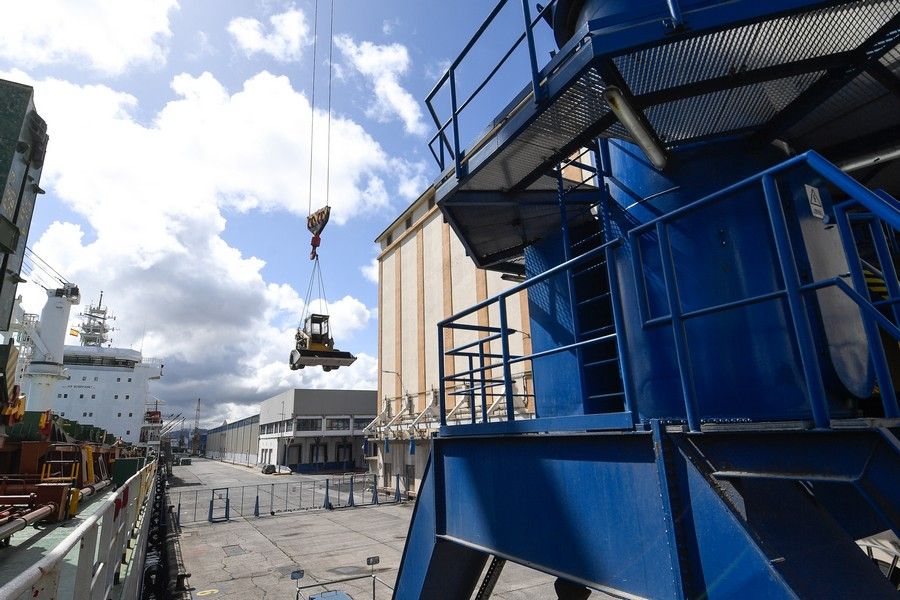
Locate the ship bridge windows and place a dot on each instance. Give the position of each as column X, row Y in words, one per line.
column 99, row 361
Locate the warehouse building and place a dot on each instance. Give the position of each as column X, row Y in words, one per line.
column 236, row 442
column 315, row 430
column 424, row 276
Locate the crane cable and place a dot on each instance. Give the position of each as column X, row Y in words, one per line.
column 316, row 221
column 312, row 101
column 316, row 279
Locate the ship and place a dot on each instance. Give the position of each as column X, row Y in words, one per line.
column 96, row 383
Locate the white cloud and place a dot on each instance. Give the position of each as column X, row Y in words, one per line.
column 389, row 25
column 106, row 36
column 284, row 42
column 153, row 195
column 370, row 271
column 383, row 65
column 413, row 178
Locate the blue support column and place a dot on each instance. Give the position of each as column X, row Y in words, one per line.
column 397, row 489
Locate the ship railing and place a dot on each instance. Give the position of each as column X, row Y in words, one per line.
column 448, row 81
column 89, row 560
column 487, row 384
column 863, row 208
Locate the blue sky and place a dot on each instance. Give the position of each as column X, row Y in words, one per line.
column 177, row 170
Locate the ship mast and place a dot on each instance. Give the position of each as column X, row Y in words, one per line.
column 95, row 326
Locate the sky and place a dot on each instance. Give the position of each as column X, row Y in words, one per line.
column 178, row 168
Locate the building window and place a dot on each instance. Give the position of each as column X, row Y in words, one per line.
column 62, row 414
column 118, row 379
column 65, row 395
column 95, row 379
column 59, row 395
column 129, row 380
column 127, row 432
column 116, row 397
column 337, row 424
column 408, row 222
column 129, row 414
column 90, row 414
column 388, row 239
column 127, row 397
column 84, row 377
column 314, row 424
column 81, row 395
column 84, row 414
column 431, row 203
column 360, row 422
column 120, row 414
column 93, row 396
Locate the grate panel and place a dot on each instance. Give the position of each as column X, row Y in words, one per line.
column 576, row 111
column 778, row 41
column 728, row 110
column 892, row 60
column 859, row 92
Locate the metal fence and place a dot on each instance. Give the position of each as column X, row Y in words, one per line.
column 267, row 499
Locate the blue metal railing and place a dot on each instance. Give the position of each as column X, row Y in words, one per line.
column 880, row 211
column 457, row 106
column 478, row 377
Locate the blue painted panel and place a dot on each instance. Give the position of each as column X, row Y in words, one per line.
column 557, row 387
column 589, row 509
column 744, row 361
column 620, row 420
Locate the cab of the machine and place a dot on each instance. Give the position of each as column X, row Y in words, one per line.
column 318, row 330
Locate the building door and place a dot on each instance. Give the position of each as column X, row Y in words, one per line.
column 318, row 453
column 344, row 453
column 409, row 476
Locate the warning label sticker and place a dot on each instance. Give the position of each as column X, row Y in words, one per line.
column 815, row 202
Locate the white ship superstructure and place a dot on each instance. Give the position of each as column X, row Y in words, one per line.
column 93, row 383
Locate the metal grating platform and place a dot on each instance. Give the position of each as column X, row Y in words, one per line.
column 806, row 78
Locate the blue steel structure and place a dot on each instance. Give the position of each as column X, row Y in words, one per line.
column 715, row 379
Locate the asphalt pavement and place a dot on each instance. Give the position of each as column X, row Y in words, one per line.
column 248, row 558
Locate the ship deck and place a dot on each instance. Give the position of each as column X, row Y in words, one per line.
column 34, row 542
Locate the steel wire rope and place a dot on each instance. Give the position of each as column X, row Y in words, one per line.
column 56, row 273
column 316, row 276
column 312, row 101
column 328, row 129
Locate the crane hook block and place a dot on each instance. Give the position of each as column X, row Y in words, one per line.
column 316, row 222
